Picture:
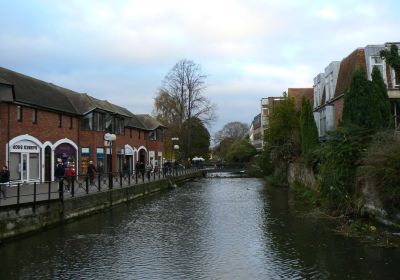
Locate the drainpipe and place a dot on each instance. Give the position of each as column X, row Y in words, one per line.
column 8, row 136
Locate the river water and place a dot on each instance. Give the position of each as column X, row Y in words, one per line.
column 212, row 228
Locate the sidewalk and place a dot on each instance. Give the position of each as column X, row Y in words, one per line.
column 44, row 191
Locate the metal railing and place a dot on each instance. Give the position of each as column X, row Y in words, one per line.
column 35, row 193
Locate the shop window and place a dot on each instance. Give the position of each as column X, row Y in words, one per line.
column 34, row 115
column 19, row 113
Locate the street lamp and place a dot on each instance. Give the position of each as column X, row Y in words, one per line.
column 174, row 147
column 109, row 139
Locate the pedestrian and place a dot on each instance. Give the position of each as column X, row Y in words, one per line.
column 91, row 172
column 137, row 168
column 100, row 170
column 149, row 168
column 59, row 172
column 70, row 174
column 4, row 179
column 142, row 168
column 126, row 169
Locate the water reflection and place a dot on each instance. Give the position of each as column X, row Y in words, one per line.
column 219, row 228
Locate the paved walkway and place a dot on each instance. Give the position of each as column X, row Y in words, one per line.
column 46, row 191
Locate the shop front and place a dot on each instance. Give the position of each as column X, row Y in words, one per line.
column 25, row 160
column 66, row 153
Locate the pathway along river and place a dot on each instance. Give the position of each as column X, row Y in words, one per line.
column 212, row 228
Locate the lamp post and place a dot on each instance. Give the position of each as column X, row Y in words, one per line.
column 109, row 139
column 174, row 147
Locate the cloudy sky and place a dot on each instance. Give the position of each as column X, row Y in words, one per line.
column 121, row 50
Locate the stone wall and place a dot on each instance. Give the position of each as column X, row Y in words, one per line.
column 298, row 172
column 16, row 221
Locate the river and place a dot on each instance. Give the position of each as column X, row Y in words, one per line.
column 211, row 228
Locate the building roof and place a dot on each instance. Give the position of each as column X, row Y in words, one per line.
column 355, row 61
column 149, row 122
column 32, row 91
column 298, row 93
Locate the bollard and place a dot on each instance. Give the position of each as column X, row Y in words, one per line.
column 99, row 178
column 129, row 179
column 120, row 179
column 110, row 181
column 49, row 196
column 136, row 177
column 73, row 187
column 61, row 190
column 34, row 197
column 18, row 196
column 87, row 184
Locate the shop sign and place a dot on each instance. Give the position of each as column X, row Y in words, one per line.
column 24, row 146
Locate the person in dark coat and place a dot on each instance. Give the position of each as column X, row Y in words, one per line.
column 91, row 172
column 142, row 168
column 59, row 172
column 4, row 179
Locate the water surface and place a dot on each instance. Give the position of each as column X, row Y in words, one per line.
column 212, row 228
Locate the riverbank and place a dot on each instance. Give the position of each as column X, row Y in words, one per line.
column 20, row 220
column 363, row 228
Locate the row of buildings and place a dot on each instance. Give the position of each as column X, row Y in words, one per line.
column 327, row 93
column 42, row 124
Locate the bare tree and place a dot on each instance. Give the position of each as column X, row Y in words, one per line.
column 232, row 130
column 181, row 98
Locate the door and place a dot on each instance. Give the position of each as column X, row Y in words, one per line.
column 24, row 167
column 47, row 164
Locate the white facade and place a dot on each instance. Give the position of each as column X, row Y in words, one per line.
column 324, row 91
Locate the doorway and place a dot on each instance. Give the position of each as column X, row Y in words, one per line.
column 47, row 164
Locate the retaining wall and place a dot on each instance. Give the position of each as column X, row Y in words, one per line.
column 26, row 219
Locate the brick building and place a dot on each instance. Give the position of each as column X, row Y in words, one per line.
column 330, row 86
column 41, row 123
column 298, row 94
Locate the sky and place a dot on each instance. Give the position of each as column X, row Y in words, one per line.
column 121, row 50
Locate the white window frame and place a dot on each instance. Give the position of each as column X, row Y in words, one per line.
column 393, row 76
column 372, row 63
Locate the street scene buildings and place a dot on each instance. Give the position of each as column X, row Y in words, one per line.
column 329, row 88
column 42, row 124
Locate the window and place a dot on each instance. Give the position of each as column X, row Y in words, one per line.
column 395, row 79
column 71, row 122
column 378, row 62
column 19, row 113
column 34, row 115
column 87, row 122
column 99, row 122
column 119, row 126
column 59, row 120
column 109, row 123
column 152, row 135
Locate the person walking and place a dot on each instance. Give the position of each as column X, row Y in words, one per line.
column 91, row 172
column 4, row 179
column 70, row 174
column 149, row 168
column 59, row 172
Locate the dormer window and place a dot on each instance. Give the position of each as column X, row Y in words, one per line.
column 87, row 122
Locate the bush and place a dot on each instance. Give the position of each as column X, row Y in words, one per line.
column 340, row 157
column 240, row 151
column 381, row 164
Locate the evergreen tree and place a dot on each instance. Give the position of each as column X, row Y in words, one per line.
column 308, row 128
column 392, row 58
column 360, row 107
column 281, row 136
column 382, row 98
